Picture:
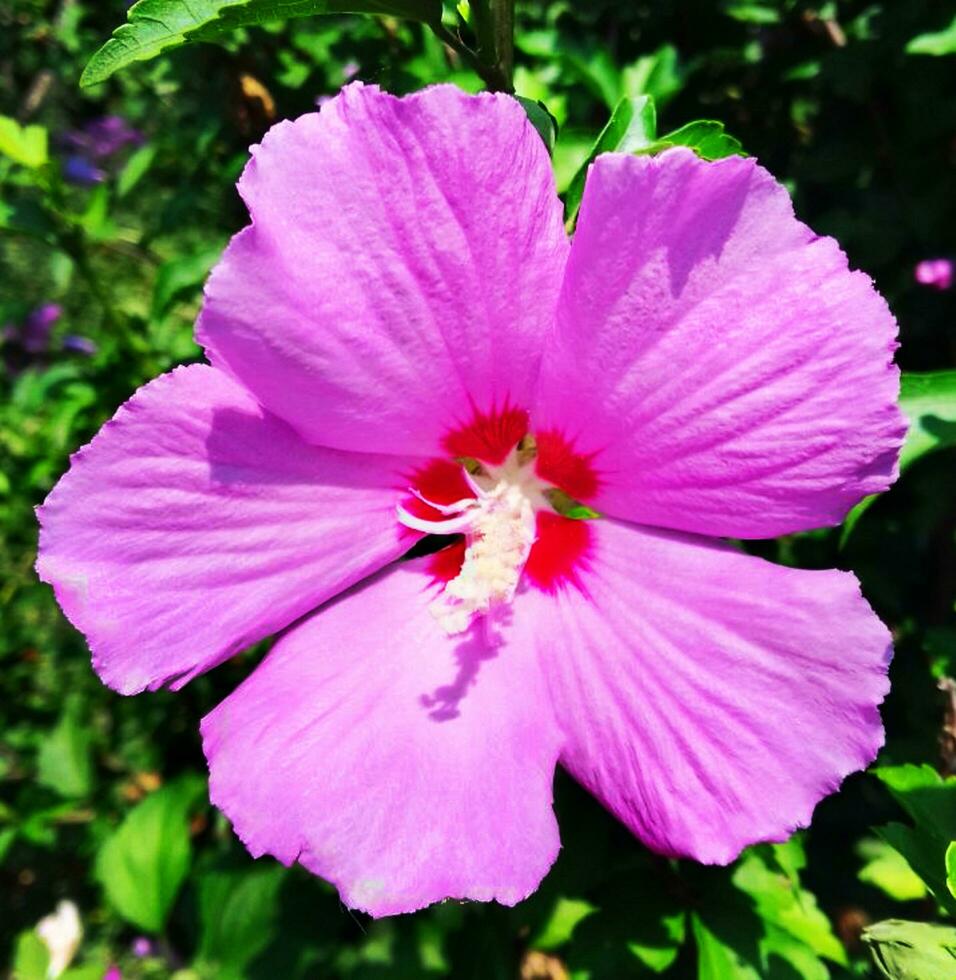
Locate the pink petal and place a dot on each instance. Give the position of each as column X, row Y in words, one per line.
column 401, row 271
column 403, row 765
column 196, row 523
column 710, row 699
column 728, row 373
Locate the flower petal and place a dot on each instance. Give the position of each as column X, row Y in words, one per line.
column 710, row 699
column 401, row 271
column 717, row 361
column 403, row 765
column 196, row 523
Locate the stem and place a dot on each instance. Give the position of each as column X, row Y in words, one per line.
column 493, row 62
column 503, row 28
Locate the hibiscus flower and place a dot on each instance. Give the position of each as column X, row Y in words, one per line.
column 405, row 345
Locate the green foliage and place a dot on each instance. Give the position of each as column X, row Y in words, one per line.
column 936, row 43
column 155, row 26
column 143, row 863
column 179, row 276
column 632, row 128
column 238, row 913
column 23, row 144
column 913, row 950
column 766, row 925
column 541, row 119
column 885, row 868
column 930, row 802
column 63, row 757
column 31, row 959
column 706, row 137
column 929, row 403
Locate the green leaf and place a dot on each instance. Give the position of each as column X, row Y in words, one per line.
column 26, row 145
column 89, row 971
column 143, row 863
column 632, row 125
column 31, row 958
column 929, row 403
column 752, row 13
column 632, row 929
column 930, row 801
column 632, row 128
column 706, row 137
column 885, row 868
column 136, row 167
column 237, row 915
column 541, row 119
column 63, row 759
column 758, row 923
column 154, row 26
column 912, row 950
column 951, row 868
column 937, row 44
column 559, row 925
column 657, row 75
column 181, row 275
column 788, row 908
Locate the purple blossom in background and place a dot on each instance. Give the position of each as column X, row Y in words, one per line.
column 142, row 946
column 34, row 335
column 79, row 170
column 937, row 273
column 79, row 345
column 103, row 137
column 696, row 365
column 93, row 145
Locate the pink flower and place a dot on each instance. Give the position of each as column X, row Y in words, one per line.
column 697, row 365
column 937, row 273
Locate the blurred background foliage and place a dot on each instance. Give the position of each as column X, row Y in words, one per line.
column 112, row 211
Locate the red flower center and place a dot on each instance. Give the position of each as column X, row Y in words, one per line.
column 493, row 459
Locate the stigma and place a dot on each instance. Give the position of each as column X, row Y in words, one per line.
column 498, row 523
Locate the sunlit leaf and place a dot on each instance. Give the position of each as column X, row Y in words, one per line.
column 63, row 759
column 761, row 923
column 793, row 910
column 143, row 863
column 937, row 43
column 657, row 75
column 752, row 13
column 31, row 958
column 912, row 950
column 237, row 915
column 951, row 868
column 930, row 802
column 632, row 126
column 23, row 144
column 155, row 26
column 135, row 168
column 706, row 137
column 885, row 868
column 929, row 403
column 559, row 925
